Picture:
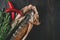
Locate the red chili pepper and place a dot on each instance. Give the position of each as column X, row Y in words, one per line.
column 10, row 4
column 13, row 16
column 12, row 9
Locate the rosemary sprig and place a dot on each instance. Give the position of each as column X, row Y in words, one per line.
column 4, row 25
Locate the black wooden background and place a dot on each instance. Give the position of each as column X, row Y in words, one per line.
column 49, row 11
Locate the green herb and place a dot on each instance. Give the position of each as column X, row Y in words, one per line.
column 4, row 25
